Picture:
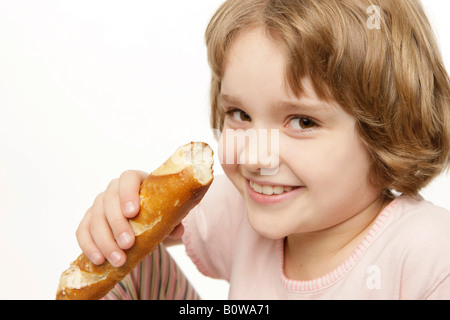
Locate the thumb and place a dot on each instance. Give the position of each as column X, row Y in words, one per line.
column 177, row 233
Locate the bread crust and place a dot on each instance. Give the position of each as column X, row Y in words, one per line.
column 165, row 200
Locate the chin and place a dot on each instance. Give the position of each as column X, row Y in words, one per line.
column 268, row 223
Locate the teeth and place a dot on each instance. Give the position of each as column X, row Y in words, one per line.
column 269, row 190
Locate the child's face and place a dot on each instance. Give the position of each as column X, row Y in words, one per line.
column 320, row 154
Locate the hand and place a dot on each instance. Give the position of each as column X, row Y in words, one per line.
column 104, row 232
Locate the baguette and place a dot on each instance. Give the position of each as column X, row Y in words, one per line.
column 167, row 196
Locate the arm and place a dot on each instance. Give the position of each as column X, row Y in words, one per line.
column 166, row 196
column 442, row 291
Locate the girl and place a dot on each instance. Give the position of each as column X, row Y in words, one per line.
column 359, row 98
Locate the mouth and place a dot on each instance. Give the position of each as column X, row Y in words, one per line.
column 271, row 194
column 269, row 190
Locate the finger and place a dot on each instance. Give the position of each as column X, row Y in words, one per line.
column 120, row 227
column 177, row 233
column 103, row 237
column 129, row 185
column 86, row 242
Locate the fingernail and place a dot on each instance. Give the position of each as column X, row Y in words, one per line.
column 115, row 258
column 96, row 258
column 130, row 207
column 124, row 240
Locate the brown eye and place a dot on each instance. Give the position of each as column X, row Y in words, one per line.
column 243, row 116
column 302, row 123
column 239, row 115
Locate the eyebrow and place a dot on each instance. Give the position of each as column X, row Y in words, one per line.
column 283, row 106
column 298, row 107
column 229, row 99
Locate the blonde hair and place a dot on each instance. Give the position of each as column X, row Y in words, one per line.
column 391, row 79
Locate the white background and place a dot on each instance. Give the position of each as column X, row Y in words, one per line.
column 89, row 89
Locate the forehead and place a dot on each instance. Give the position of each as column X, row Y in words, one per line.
column 255, row 70
column 254, row 42
column 255, row 78
column 254, row 61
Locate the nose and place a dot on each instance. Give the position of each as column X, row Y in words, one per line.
column 258, row 150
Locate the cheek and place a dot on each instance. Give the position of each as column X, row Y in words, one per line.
column 345, row 173
column 228, row 153
column 332, row 166
column 355, row 163
column 228, row 158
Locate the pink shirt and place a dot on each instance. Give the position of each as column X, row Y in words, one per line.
column 405, row 255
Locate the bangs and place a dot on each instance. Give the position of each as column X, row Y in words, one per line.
column 316, row 44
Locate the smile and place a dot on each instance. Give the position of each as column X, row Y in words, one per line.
column 265, row 194
column 269, row 190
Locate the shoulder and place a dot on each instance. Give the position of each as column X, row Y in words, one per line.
column 222, row 202
column 423, row 223
column 418, row 239
column 211, row 228
column 222, row 190
column 221, row 206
